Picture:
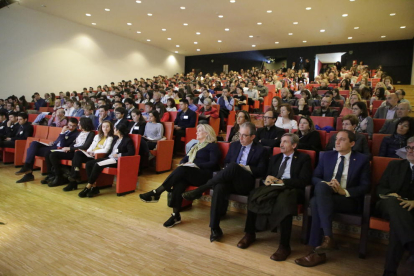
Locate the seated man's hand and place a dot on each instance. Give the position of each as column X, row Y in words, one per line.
column 270, row 179
column 336, row 187
column 50, row 144
column 66, row 149
column 407, row 204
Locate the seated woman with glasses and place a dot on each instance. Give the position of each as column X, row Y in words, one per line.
column 195, row 169
column 403, row 130
column 241, row 118
column 366, row 124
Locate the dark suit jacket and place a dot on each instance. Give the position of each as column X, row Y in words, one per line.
column 12, row 130
column 393, row 178
column 257, row 158
column 3, row 128
column 125, row 148
column 66, row 142
column 310, row 141
column 96, row 122
column 300, row 170
column 207, row 158
column 269, row 137
column 382, row 113
column 358, row 181
column 85, row 146
column 361, row 144
column 124, row 121
column 328, row 113
column 140, row 130
column 184, row 123
column 23, row 131
column 389, row 126
column 40, row 103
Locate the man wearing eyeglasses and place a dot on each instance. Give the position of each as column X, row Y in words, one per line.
column 269, row 135
column 65, row 138
column 245, row 161
column 396, row 204
column 389, row 110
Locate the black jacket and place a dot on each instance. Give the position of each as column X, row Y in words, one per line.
column 137, row 129
column 394, row 178
column 3, row 128
column 124, row 121
column 185, row 119
column 310, row 141
column 269, row 137
column 85, row 146
column 12, row 130
column 23, row 131
column 361, row 144
column 207, row 158
column 125, row 148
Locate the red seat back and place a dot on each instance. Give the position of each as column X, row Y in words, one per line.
column 323, row 121
column 40, row 132
column 322, row 134
column 54, row 133
column 168, row 130
column 173, row 115
column 376, row 142
column 32, row 117
column 376, row 103
column 136, row 138
column 378, row 123
column 224, row 148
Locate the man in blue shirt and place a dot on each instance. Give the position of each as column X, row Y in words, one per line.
column 226, row 103
column 39, row 101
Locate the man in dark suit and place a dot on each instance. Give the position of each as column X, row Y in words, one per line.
column 66, row 137
column 403, row 110
column 23, row 130
column 269, row 135
column 185, row 118
column 341, row 181
column 396, row 204
column 283, row 68
column 3, row 124
column 389, row 111
column 39, row 102
column 129, row 106
column 245, row 161
column 120, row 118
column 325, row 111
column 293, row 171
column 12, row 126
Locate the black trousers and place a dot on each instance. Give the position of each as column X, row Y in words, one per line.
column 37, row 149
column 223, row 114
column 93, row 170
column 178, row 134
column 54, row 161
column 285, row 227
column 7, row 144
column 401, row 230
column 180, row 179
column 324, row 205
column 232, row 179
column 78, row 159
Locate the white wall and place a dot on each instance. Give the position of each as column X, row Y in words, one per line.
column 44, row 53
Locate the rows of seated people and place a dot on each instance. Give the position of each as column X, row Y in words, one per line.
column 114, row 115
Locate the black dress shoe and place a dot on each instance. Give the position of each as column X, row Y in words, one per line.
column 49, row 178
column 84, row 192
column 192, row 195
column 57, row 181
column 216, row 234
column 74, row 177
column 26, row 178
column 71, row 186
column 23, row 170
column 93, row 192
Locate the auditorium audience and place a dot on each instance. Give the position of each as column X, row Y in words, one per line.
column 18, row 129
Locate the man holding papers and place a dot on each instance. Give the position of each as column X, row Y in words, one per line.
column 66, row 137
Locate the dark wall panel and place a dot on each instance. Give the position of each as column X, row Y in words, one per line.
column 395, row 57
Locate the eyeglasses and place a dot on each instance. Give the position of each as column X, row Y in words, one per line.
column 408, row 148
column 266, row 117
column 244, row 135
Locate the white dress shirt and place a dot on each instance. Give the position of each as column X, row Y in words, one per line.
column 243, row 159
column 286, row 173
column 345, row 171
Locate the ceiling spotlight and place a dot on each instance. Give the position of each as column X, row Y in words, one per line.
column 163, row 30
column 304, row 41
column 198, row 33
column 169, row 38
column 308, row 8
column 349, row 37
column 383, row 36
column 148, row 40
column 107, row 10
column 88, row 14
column 227, row 29
column 198, row 50
column 178, row 46
column 149, row 14
column 269, row 11
column 352, row 0
column 356, row 28
column 322, row 31
column 277, row 42
column 219, row 41
column 295, row 23
column 220, row 16
column 185, row 24
column 290, row 33
column 402, row 27
column 250, row 36
column 129, row 24
column 138, row 32
column 139, row 2
column 183, row 8
column 392, row 14
column 93, row 23
column 345, row 15
column 232, row 1
column 259, row 23
column 195, row 42
column 176, row 52
column 253, row 45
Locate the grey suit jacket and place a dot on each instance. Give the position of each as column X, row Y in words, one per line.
column 389, row 126
column 382, row 113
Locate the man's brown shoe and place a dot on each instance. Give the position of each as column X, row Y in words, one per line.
column 327, row 245
column 247, row 240
column 312, row 259
column 281, row 254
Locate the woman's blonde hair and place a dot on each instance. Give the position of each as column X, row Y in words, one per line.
column 211, row 134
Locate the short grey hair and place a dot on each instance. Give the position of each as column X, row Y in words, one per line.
column 410, row 140
column 207, row 101
column 250, row 126
column 294, row 139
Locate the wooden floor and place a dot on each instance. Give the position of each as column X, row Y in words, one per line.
column 51, row 232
